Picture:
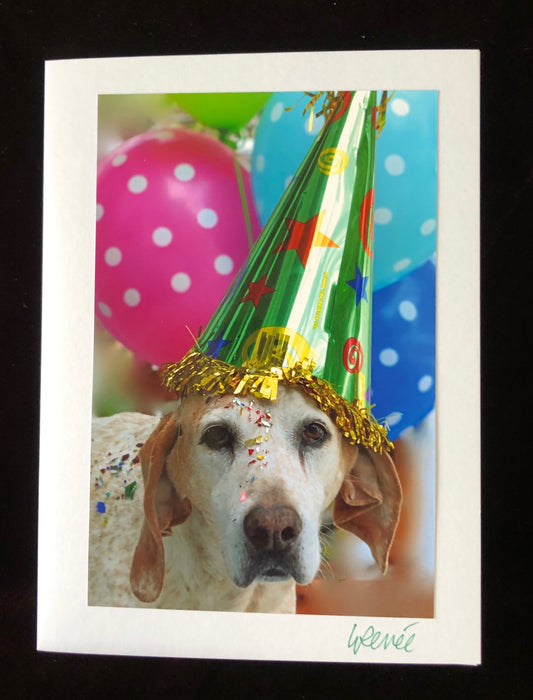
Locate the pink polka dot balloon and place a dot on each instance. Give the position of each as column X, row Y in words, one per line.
column 170, row 236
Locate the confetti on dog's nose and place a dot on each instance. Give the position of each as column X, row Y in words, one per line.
column 243, row 496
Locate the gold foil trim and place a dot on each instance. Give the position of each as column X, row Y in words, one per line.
column 200, row 374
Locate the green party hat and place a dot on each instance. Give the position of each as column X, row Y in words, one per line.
column 299, row 311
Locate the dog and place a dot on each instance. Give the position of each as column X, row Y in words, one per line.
column 233, row 493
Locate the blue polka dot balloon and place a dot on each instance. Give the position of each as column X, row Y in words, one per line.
column 405, row 211
column 403, row 350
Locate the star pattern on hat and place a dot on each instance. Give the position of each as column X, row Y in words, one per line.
column 359, row 285
column 256, row 291
column 306, row 235
column 215, row 345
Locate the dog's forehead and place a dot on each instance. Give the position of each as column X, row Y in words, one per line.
column 289, row 405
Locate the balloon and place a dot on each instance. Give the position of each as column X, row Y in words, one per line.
column 222, row 110
column 406, row 173
column 403, row 350
column 170, row 235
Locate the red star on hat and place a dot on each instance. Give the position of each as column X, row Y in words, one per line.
column 256, row 291
column 305, row 235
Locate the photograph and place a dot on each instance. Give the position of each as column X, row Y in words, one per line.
column 299, row 229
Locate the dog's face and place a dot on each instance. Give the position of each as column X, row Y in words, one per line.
column 261, row 473
column 265, row 471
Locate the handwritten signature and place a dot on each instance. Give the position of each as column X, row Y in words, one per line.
column 374, row 639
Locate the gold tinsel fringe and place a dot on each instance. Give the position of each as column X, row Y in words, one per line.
column 198, row 373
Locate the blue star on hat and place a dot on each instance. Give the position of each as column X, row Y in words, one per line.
column 216, row 345
column 359, row 285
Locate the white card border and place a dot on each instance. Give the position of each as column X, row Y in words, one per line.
column 65, row 621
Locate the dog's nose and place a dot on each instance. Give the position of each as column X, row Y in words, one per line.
column 273, row 528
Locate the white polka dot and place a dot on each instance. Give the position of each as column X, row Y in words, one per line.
column 155, row 368
column 105, row 310
column 207, row 218
column 400, row 107
column 394, row 164
column 425, row 383
column 260, row 163
column 224, row 264
column 132, row 297
column 407, row 310
column 184, row 172
column 315, row 127
column 428, row 227
column 99, row 212
column 113, row 256
column 382, row 216
column 164, row 135
column 162, row 236
column 394, row 418
column 180, row 282
column 276, row 112
column 137, row 184
column 388, row 357
column 119, row 159
column 401, row 264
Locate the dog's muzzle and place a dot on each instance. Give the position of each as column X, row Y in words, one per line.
column 271, row 534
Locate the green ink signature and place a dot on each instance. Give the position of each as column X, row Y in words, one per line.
column 374, row 639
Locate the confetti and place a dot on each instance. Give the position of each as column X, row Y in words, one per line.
column 130, row 489
column 254, row 441
column 243, row 496
column 100, row 507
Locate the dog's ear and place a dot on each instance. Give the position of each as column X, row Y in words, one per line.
column 163, row 508
column 369, row 501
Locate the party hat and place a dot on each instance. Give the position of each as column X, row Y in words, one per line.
column 299, row 311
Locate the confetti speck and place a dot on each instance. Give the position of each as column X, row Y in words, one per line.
column 100, row 507
column 129, row 491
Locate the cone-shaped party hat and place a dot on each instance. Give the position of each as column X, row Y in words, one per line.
column 299, row 311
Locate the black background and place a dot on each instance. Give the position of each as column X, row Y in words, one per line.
column 32, row 32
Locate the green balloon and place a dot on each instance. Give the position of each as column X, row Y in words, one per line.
column 222, row 110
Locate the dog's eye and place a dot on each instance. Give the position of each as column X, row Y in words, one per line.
column 314, row 434
column 217, row 437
